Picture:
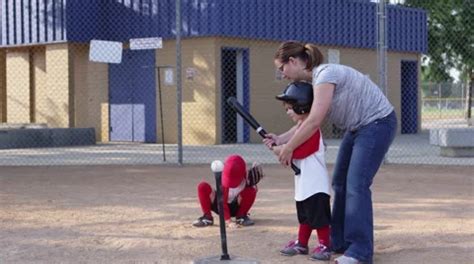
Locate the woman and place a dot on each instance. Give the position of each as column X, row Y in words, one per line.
column 354, row 103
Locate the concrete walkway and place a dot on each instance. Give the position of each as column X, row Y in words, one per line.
column 406, row 149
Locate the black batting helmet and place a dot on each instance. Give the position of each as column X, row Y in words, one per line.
column 299, row 95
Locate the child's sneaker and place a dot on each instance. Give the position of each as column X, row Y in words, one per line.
column 203, row 221
column 244, row 221
column 294, row 248
column 321, row 252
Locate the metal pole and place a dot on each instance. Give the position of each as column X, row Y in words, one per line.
column 161, row 114
column 469, row 99
column 220, row 206
column 382, row 46
column 439, row 99
column 179, row 82
column 382, row 51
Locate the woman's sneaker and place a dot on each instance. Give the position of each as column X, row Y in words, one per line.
column 203, row 221
column 294, row 248
column 346, row 260
column 321, row 252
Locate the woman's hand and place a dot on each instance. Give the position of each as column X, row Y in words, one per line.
column 271, row 140
column 286, row 153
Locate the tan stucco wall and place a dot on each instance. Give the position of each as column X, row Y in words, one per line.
column 39, row 77
column 18, row 86
column 199, row 94
column 3, row 87
column 166, row 56
column 90, row 92
column 54, row 94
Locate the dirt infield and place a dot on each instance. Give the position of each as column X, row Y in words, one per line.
column 143, row 214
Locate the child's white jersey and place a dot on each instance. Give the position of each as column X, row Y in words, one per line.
column 314, row 176
column 234, row 192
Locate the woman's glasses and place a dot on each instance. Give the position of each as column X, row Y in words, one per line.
column 281, row 67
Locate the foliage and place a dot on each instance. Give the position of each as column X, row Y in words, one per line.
column 450, row 38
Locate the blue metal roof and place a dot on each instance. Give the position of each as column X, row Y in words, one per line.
column 346, row 23
column 31, row 21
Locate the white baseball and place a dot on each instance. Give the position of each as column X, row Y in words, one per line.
column 217, row 166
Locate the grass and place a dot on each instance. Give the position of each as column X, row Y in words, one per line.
column 443, row 113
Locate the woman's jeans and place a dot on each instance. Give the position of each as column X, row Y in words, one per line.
column 360, row 155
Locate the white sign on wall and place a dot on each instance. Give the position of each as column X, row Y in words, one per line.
column 190, row 73
column 169, row 77
column 105, row 51
column 333, row 56
column 146, row 43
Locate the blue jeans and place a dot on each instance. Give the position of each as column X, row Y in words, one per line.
column 360, row 155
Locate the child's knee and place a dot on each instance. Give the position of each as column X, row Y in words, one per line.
column 250, row 191
column 204, row 187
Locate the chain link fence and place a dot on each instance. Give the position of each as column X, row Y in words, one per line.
column 146, row 81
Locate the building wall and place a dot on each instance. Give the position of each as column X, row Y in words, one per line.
column 54, row 91
column 3, row 86
column 199, row 93
column 39, row 80
column 65, row 89
column 201, row 96
column 18, row 85
column 91, row 88
column 166, row 56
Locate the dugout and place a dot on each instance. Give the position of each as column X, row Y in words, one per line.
column 227, row 50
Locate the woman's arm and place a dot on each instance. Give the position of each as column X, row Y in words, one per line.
column 322, row 94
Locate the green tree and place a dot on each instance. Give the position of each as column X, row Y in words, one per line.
column 450, row 41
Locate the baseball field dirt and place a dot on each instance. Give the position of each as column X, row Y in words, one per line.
column 143, row 214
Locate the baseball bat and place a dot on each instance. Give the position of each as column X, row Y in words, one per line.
column 239, row 109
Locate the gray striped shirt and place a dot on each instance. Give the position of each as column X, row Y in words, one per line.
column 357, row 100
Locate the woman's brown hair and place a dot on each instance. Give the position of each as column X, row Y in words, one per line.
column 309, row 53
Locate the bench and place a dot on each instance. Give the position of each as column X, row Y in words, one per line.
column 13, row 137
column 454, row 142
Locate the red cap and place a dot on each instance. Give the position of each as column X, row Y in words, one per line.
column 234, row 171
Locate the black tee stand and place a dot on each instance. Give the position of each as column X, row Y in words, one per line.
column 220, row 205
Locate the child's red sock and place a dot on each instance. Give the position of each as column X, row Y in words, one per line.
column 204, row 193
column 247, row 199
column 323, row 235
column 304, row 233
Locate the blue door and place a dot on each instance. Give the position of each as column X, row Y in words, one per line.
column 234, row 83
column 132, row 97
column 409, row 90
